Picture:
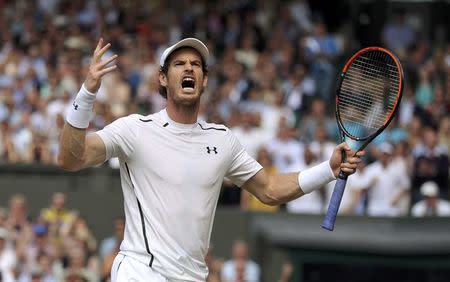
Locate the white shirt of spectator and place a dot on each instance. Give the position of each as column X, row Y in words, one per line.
column 8, row 261
column 286, row 154
column 387, row 182
column 420, row 208
column 252, row 139
column 307, row 204
column 171, row 177
column 322, row 151
column 271, row 116
column 252, row 271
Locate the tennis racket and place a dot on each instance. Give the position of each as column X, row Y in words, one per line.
column 367, row 97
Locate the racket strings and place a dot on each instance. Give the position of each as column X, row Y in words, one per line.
column 368, row 93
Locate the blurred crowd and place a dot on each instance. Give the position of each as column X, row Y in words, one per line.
column 57, row 244
column 272, row 74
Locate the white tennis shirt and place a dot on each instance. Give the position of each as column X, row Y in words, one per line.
column 171, row 176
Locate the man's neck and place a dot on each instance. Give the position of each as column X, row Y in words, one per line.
column 183, row 114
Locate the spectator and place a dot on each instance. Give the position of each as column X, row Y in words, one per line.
column 287, row 270
column 40, row 150
column 311, row 203
column 285, row 149
column 240, row 267
column 78, row 233
column 274, row 111
column 8, row 257
column 18, row 222
column 57, row 214
column 415, row 130
column 247, row 53
column 431, row 163
column 77, row 267
column 22, row 138
column 148, row 98
column 112, row 242
column 49, row 268
column 424, row 91
column 3, row 216
column 323, row 48
column 76, row 277
column 386, row 184
column 431, row 205
column 249, row 133
column 45, row 270
column 300, row 90
column 406, row 111
column 39, row 243
column 439, row 106
column 397, row 34
column 250, row 202
column 7, row 151
column 214, row 266
column 316, row 117
column 444, row 132
column 322, row 146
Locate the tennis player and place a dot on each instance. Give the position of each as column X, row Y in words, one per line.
column 172, row 166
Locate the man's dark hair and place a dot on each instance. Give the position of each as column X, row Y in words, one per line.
column 165, row 69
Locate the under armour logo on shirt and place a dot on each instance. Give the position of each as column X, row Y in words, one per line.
column 75, row 106
column 209, row 150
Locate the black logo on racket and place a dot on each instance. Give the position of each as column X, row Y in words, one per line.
column 209, row 150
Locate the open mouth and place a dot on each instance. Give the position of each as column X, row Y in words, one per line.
column 188, row 83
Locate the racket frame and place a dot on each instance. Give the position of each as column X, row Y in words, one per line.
column 369, row 138
column 338, row 191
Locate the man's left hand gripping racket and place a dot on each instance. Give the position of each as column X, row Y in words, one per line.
column 367, row 97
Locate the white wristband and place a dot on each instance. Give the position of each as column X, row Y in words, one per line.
column 80, row 114
column 315, row 177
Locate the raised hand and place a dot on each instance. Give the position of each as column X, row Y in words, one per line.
column 98, row 67
column 351, row 162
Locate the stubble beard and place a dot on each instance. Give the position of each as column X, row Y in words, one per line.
column 188, row 104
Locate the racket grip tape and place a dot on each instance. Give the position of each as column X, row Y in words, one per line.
column 335, row 202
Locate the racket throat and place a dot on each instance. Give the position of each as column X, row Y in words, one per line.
column 342, row 175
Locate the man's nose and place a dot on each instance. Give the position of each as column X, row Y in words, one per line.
column 188, row 65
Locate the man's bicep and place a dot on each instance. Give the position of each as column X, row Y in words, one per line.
column 95, row 150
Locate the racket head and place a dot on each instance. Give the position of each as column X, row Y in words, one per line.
column 368, row 94
column 367, row 97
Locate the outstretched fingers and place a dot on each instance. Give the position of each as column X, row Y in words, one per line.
column 107, row 70
column 98, row 67
column 107, row 61
column 99, row 45
column 103, row 50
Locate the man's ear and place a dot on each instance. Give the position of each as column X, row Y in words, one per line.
column 162, row 79
column 205, row 80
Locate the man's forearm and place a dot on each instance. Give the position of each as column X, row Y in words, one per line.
column 72, row 147
column 78, row 150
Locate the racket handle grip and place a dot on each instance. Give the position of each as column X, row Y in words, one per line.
column 335, row 202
